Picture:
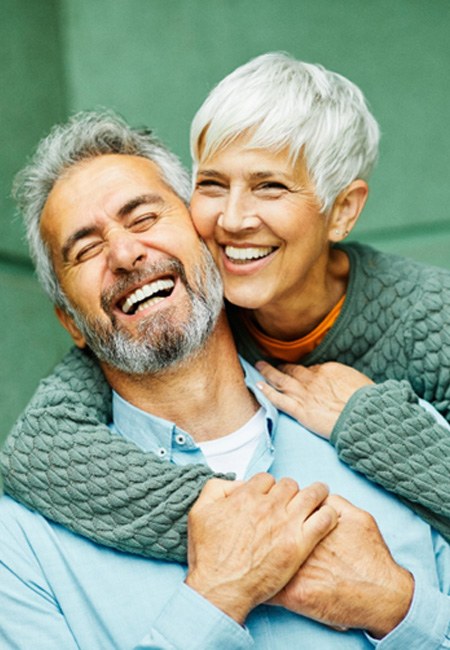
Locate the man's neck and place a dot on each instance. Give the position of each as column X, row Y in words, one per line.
column 205, row 394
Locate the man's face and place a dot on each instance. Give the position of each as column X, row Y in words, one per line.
column 142, row 288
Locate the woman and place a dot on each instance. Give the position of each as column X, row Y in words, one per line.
column 282, row 154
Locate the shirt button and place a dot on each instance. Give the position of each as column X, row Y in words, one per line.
column 180, row 439
column 162, row 452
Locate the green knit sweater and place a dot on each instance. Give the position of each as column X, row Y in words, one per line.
column 62, row 460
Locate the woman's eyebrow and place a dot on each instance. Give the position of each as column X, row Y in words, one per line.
column 210, row 173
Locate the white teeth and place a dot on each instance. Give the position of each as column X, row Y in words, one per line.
column 146, row 292
column 250, row 253
column 147, row 303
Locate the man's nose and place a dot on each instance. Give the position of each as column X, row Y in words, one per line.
column 239, row 213
column 125, row 251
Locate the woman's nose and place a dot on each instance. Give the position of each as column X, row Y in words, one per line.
column 239, row 213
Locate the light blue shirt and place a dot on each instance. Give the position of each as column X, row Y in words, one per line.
column 59, row 591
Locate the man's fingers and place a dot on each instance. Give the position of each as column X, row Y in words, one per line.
column 319, row 524
column 260, row 483
column 217, row 488
column 316, row 517
column 308, row 500
column 285, row 490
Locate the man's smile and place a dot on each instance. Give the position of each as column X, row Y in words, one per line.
column 143, row 289
column 147, row 295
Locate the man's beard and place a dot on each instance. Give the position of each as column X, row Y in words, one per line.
column 164, row 338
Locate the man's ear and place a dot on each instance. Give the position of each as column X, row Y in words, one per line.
column 68, row 323
column 346, row 209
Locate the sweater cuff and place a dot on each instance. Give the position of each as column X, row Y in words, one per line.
column 371, row 400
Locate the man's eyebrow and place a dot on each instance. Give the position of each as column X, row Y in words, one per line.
column 142, row 199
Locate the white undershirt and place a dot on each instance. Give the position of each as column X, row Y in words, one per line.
column 233, row 453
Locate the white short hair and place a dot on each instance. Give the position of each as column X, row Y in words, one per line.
column 279, row 102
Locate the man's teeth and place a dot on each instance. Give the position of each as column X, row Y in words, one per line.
column 246, row 254
column 145, row 293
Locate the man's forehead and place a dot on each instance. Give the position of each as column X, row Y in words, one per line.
column 107, row 181
column 103, row 186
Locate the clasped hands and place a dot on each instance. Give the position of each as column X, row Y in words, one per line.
column 312, row 553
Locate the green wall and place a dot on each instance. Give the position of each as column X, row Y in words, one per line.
column 155, row 60
column 32, row 98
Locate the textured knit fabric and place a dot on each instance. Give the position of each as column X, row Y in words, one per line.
column 394, row 326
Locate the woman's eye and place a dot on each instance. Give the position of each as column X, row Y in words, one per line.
column 209, row 185
column 272, row 186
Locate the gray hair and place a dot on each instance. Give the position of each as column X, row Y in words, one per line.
column 86, row 135
column 279, row 102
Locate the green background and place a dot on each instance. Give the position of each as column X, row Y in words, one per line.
column 155, row 60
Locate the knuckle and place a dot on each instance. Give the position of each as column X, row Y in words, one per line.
column 263, row 477
column 367, row 520
column 326, row 518
column 318, row 491
column 289, row 483
column 284, row 381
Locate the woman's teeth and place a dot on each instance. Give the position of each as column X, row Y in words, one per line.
column 247, row 254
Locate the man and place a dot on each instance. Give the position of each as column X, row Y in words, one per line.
column 133, row 283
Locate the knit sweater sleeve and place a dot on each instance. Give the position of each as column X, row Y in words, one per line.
column 385, row 434
column 62, row 459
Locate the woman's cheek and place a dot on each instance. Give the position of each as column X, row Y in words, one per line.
column 203, row 218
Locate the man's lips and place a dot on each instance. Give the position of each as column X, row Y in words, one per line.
column 146, row 295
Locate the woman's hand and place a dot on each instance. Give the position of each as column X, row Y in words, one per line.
column 314, row 396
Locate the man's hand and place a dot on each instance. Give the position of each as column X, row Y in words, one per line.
column 314, row 396
column 246, row 541
column 350, row 579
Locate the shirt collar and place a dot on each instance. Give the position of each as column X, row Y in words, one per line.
column 155, row 434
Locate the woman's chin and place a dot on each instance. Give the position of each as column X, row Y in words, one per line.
column 245, row 299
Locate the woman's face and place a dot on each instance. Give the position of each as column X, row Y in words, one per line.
column 261, row 220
